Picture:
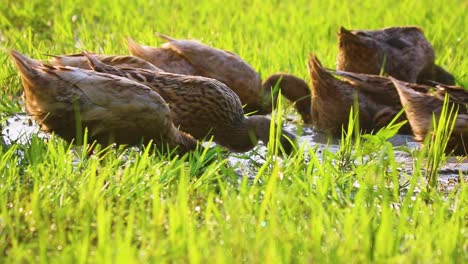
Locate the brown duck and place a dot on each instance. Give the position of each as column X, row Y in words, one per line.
column 420, row 108
column 80, row 61
column 203, row 107
column 332, row 99
column 112, row 108
column 401, row 52
column 191, row 57
column 381, row 90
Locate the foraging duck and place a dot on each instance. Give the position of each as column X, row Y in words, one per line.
column 66, row 100
column 402, row 52
column 332, row 99
column 420, row 108
column 80, row 61
column 191, row 57
column 203, row 107
column 381, row 90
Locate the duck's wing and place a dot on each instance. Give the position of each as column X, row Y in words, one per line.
column 373, row 85
column 111, row 107
column 379, row 88
column 221, row 65
column 80, row 61
column 420, row 107
column 198, row 104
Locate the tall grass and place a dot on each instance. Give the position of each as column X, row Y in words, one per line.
column 57, row 204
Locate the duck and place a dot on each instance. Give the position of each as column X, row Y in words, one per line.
column 332, row 99
column 191, row 57
column 381, row 90
column 68, row 100
column 203, row 107
column 420, row 108
column 401, row 52
column 80, row 61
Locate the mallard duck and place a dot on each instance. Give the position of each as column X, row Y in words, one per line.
column 203, row 107
column 80, row 61
column 420, row 108
column 402, row 52
column 191, row 57
column 332, row 99
column 66, row 100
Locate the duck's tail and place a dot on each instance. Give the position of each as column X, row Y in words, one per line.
column 136, row 49
column 165, row 37
column 347, row 36
column 22, row 62
column 26, row 66
column 407, row 95
column 320, row 78
column 315, row 67
column 99, row 66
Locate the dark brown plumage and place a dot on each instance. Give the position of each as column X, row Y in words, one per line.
column 66, row 100
column 203, row 107
column 80, row 61
column 420, row 108
column 381, row 90
column 191, row 57
column 401, row 52
column 332, row 99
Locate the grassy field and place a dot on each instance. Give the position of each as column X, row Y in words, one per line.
column 58, row 205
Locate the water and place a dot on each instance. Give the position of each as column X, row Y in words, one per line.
column 19, row 129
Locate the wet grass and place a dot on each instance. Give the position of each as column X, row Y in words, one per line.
column 127, row 205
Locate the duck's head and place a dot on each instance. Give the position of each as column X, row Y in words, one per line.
column 293, row 88
column 245, row 136
column 259, row 129
column 437, row 75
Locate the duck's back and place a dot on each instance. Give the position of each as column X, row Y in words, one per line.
column 166, row 59
column 221, row 65
column 421, row 107
column 200, row 106
column 402, row 52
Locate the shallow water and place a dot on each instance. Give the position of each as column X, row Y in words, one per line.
column 19, row 129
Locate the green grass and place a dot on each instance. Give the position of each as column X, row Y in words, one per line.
column 127, row 205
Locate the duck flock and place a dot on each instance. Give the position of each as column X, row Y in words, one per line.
column 186, row 91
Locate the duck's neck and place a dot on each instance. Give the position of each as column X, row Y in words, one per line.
column 184, row 142
column 293, row 88
column 256, row 128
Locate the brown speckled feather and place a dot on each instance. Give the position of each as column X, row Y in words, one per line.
column 80, row 61
column 114, row 109
column 402, row 52
column 201, row 106
column 191, row 57
column 420, row 107
column 213, row 63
